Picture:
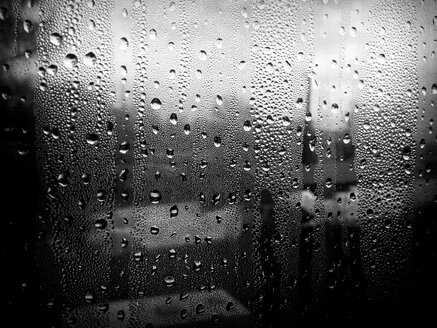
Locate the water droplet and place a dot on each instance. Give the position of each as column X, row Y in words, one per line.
column 308, row 117
column 56, row 39
column 154, row 230
column 152, row 34
column 101, row 195
column 174, row 211
column 169, row 281
column 334, row 108
column 103, row 307
column 287, row 67
column 219, row 100
column 89, row 297
column 124, row 44
column 173, row 119
column 70, row 61
column 184, row 314
column 91, row 25
column 92, row 138
column 219, row 43
column 90, row 3
column 138, row 256
column 187, row 129
column 155, row 197
column 299, row 103
column 381, row 59
column 124, row 147
column 52, row 69
column 120, row 315
column 100, row 224
column 217, row 141
column 90, row 59
column 27, row 25
column 3, row 13
column 286, row 121
column 346, row 138
column 170, row 152
column 200, row 309
column 155, row 103
column 202, row 55
column 5, row 92
column 247, row 126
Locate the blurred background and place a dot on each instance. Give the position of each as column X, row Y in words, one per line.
column 212, row 163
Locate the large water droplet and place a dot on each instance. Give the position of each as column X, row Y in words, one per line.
column 90, row 59
column 174, row 211
column 27, row 25
column 173, row 119
column 70, row 61
column 56, row 39
column 155, row 197
column 202, row 55
column 124, row 44
column 155, row 103
column 169, row 281
column 92, row 138
column 3, row 13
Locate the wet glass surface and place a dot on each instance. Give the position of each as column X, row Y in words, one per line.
column 218, row 163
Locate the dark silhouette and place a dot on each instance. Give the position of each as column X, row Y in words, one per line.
column 272, row 271
column 345, row 279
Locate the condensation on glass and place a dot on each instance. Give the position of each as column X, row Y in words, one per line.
column 223, row 163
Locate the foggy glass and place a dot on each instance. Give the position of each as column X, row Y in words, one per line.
column 218, row 163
